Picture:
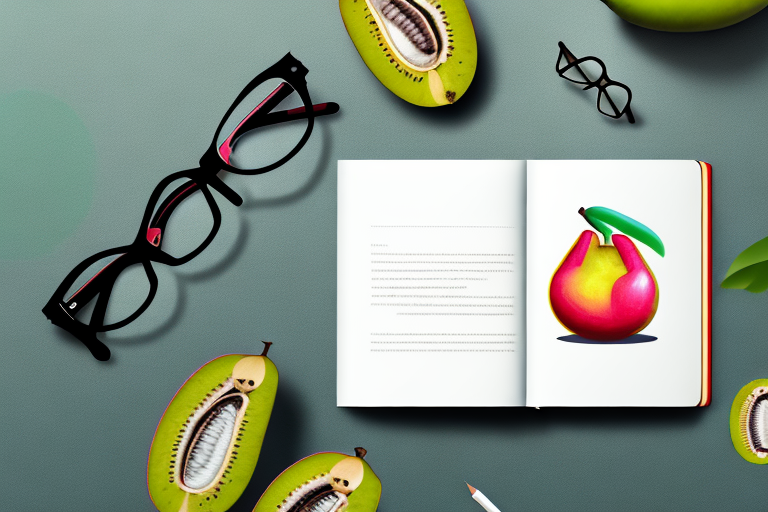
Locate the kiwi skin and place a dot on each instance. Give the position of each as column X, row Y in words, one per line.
column 442, row 85
column 363, row 499
column 685, row 15
column 166, row 494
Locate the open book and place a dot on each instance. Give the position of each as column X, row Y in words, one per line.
column 485, row 283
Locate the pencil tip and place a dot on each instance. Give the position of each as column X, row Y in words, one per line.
column 471, row 489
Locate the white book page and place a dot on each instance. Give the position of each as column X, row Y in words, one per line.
column 564, row 370
column 431, row 283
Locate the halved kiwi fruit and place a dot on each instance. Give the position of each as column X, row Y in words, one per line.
column 208, row 441
column 324, row 482
column 749, row 422
column 424, row 51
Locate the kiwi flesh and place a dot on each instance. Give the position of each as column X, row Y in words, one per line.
column 208, row 441
column 749, row 422
column 324, row 482
column 424, row 51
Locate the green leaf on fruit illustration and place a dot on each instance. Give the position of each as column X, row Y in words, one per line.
column 749, row 271
column 602, row 219
column 606, row 292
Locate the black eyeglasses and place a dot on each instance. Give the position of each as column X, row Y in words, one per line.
column 252, row 138
column 614, row 97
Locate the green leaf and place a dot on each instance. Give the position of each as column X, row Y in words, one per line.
column 749, row 271
column 601, row 226
column 626, row 225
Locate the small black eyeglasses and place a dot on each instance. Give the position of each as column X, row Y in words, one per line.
column 614, row 97
column 252, row 138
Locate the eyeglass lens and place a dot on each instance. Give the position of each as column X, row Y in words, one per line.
column 182, row 219
column 613, row 100
column 588, row 71
column 262, row 146
column 130, row 290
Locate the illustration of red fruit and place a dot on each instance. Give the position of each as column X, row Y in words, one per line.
column 606, row 292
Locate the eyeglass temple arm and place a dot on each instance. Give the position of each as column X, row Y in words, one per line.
column 61, row 313
column 321, row 109
column 280, row 92
column 250, row 123
column 178, row 196
column 262, row 115
column 60, row 318
column 100, row 309
column 222, row 188
column 568, row 55
column 95, row 285
column 630, row 115
column 282, row 116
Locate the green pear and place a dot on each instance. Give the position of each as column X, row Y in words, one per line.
column 685, row 15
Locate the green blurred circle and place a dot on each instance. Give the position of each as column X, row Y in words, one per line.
column 48, row 165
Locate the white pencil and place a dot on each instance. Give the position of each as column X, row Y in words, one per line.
column 482, row 500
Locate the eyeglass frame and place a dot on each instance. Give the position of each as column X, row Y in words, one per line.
column 146, row 248
column 601, row 83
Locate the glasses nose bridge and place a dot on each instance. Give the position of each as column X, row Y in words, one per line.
column 587, row 64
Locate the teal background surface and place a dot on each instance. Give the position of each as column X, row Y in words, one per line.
column 150, row 81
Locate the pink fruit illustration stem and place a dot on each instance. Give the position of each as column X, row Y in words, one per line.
column 599, row 226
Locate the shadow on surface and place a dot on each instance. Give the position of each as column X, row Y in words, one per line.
column 714, row 55
column 623, row 417
column 111, row 339
column 251, row 203
column 465, row 419
column 76, row 344
column 635, row 338
column 529, row 420
column 280, row 448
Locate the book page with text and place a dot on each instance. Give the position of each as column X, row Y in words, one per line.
column 431, row 283
column 601, row 291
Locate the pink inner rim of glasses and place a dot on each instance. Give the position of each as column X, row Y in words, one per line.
column 225, row 150
column 94, row 277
